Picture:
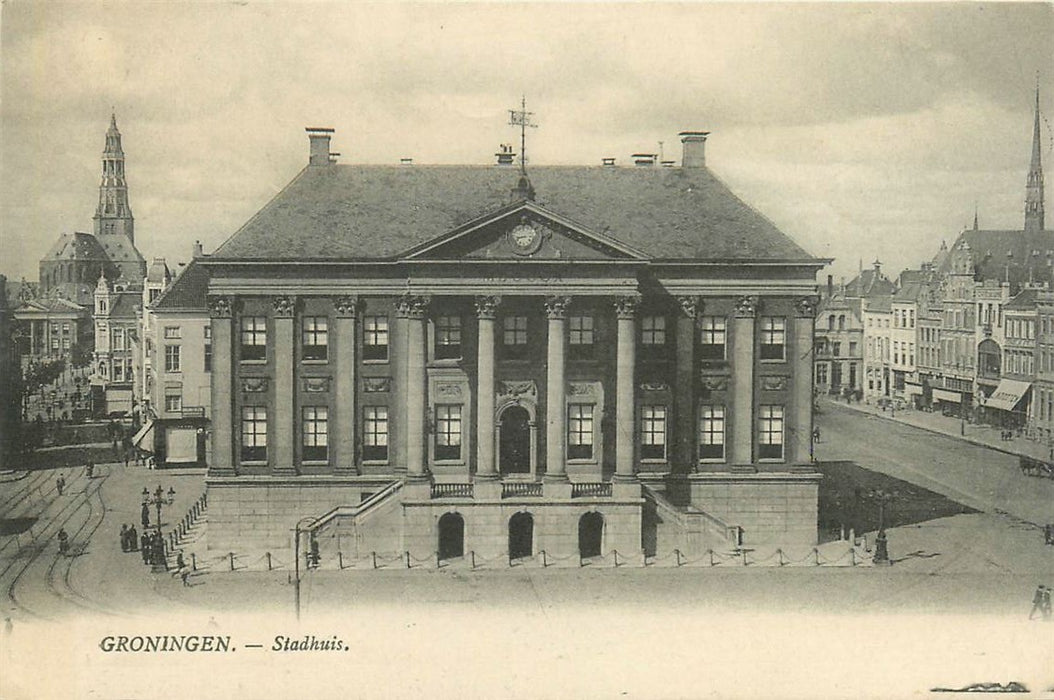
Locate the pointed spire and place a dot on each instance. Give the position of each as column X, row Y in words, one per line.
column 975, row 216
column 1034, row 188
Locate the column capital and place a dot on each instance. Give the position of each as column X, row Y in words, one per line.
column 346, row 306
column 691, row 306
column 806, row 306
column 220, row 306
column 487, row 306
column 626, row 306
column 412, row 306
column 283, row 306
column 556, row 306
column 747, row 306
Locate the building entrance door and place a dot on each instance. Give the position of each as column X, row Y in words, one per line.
column 515, row 446
column 590, row 534
column 451, row 536
column 521, row 535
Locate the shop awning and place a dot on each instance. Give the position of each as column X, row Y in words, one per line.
column 144, row 439
column 945, row 395
column 1007, row 394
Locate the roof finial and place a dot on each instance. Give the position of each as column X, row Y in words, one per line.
column 522, row 119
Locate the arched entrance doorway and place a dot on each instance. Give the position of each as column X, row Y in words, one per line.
column 521, row 535
column 514, row 450
column 590, row 534
column 451, row 536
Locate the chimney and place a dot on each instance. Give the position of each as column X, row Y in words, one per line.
column 196, row 251
column 694, row 149
column 644, row 159
column 608, row 162
column 406, row 161
column 320, row 137
column 505, row 155
column 830, row 286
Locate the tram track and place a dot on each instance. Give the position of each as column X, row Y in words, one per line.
column 64, row 516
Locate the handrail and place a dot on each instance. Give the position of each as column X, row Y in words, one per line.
column 356, row 510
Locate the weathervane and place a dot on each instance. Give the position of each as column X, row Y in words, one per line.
column 522, row 119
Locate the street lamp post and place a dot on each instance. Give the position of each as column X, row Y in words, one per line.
column 881, row 547
column 296, row 561
column 158, row 500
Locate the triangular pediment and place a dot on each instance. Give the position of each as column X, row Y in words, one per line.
column 525, row 231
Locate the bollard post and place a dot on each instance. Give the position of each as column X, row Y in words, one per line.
column 779, row 555
column 711, row 553
column 268, row 561
column 438, row 565
column 615, row 551
column 816, row 556
column 581, row 561
column 407, row 560
column 340, row 560
column 510, row 559
column 677, row 553
column 472, row 555
column 193, row 561
column 544, row 562
column 852, row 556
column 744, row 556
column 374, row 554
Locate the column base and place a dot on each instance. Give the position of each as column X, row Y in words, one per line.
column 555, row 478
column 556, row 489
column 624, row 478
column 222, row 471
column 486, row 476
column 486, row 489
column 413, row 478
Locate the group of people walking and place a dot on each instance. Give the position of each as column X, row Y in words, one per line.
column 1041, row 603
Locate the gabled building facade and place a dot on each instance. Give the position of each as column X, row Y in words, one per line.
column 455, row 358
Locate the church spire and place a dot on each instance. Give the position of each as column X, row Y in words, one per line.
column 1034, row 188
column 113, row 216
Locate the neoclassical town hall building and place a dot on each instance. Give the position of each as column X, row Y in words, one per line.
column 444, row 359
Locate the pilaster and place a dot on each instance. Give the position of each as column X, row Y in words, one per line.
column 556, row 390
column 284, row 397
column 486, row 467
column 743, row 381
column 626, row 363
column 346, row 309
column 412, row 309
column 220, row 313
column 684, row 437
column 801, row 433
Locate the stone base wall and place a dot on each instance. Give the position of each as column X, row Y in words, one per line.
column 259, row 513
column 774, row 509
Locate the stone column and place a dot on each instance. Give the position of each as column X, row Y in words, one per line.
column 486, row 466
column 556, row 390
column 801, row 422
column 625, row 405
column 344, row 426
column 223, row 425
column 412, row 308
column 684, row 433
column 743, row 382
column 284, row 389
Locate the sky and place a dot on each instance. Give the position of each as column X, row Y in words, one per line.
column 864, row 131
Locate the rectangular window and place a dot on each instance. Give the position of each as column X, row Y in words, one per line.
column 514, row 337
column 65, row 343
column 172, row 358
column 254, row 433
column 174, row 403
column 821, row 373
column 375, row 433
column 653, row 432
column 315, row 337
column 172, row 332
column 448, row 432
column 770, row 432
column 773, row 338
column 118, row 370
column 316, row 434
column 836, row 349
column 254, row 338
column 852, row 348
column 712, row 432
column 118, row 338
column 208, row 356
column 375, row 340
column 448, row 337
column 580, row 336
column 653, row 330
column 580, row 431
column 712, row 340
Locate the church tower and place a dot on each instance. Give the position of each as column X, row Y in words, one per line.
column 1034, row 189
column 113, row 216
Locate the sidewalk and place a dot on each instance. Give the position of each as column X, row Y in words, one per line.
column 934, row 422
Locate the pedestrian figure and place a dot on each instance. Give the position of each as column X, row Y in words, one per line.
column 179, row 560
column 145, row 515
column 90, row 469
column 1048, row 533
column 64, row 546
column 1037, row 601
column 184, row 572
column 60, row 484
column 815, row 434
column 1046, row 604
column 126, row 459
column 314, row 552
column 124, row 538
column 144, row 543
column 133, row 539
